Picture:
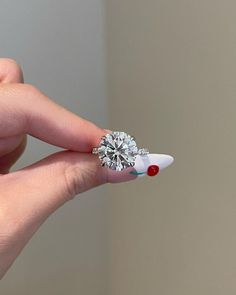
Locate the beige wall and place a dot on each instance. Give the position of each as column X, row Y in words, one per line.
column 172, row 83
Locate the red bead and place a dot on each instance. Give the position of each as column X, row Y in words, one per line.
column 153, row 170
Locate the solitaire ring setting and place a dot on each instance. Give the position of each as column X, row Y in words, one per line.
column 118, row 150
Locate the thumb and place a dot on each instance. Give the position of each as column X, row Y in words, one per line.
column 30, row 195
column 50, row 182
column 39, row 189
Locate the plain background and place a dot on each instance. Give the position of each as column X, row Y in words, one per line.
column 172, row 81
column 164, row 70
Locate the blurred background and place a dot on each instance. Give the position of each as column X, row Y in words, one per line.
column 164, row 71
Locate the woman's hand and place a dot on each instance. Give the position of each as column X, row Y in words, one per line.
column 30, row 195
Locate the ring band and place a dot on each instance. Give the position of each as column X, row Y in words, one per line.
column 141, row 151
column 118, row 150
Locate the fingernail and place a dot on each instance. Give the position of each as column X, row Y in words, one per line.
column 151, row 164
column 147, row 165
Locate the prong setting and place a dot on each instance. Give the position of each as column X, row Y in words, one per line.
column 118, row 150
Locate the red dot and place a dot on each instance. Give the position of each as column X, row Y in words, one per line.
column 153, row 170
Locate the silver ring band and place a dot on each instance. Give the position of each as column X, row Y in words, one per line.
column 141, row 151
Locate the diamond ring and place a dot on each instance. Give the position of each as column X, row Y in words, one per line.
column 118, row 150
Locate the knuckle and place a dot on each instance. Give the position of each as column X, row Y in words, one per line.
column 71, row 182
column 78, row 179
column 12, row 63
column 29, row 91
column 11, row 67
column 19, row 89
column 28, row 88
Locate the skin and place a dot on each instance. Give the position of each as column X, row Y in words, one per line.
column 29, row 196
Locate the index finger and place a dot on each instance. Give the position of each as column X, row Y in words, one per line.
column 26, row 110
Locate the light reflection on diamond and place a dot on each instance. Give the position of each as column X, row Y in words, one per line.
column 118, row 150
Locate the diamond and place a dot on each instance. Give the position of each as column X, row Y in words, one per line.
column 117, row 150
column 143, row 151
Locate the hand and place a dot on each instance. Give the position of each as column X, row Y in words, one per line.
column 30, row 195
